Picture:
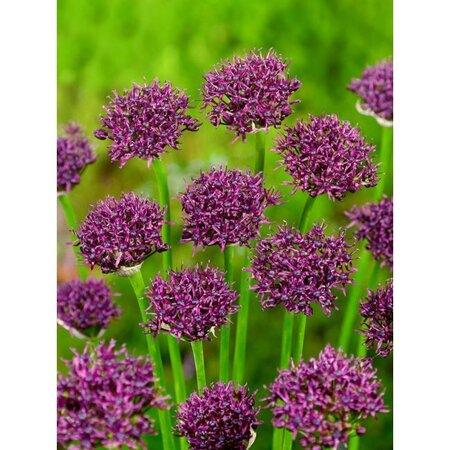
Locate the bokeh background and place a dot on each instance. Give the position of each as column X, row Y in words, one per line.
column 108, row 44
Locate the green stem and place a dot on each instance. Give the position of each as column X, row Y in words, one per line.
column 301, row 337
column 224, row 360
column 355, row 295
column 242, row 324
column 287, row 440
column 137, row 282
column 303, row 221
column 197, row 350
column 71, row 220
column 385, row 158
column 260, row 152
column 173, row 345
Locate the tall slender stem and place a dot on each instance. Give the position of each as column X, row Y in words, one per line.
column 303, row 220
column 385, row 158
column 137, row 282
column 287, row 440
column 71, row 220
column 197, row 350
column 353, row 301
column 173, row 345
column 224, row 361
column 301, row 338
column 260, row 152
column 242, row 324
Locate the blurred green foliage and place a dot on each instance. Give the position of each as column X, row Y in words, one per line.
column 107, row 44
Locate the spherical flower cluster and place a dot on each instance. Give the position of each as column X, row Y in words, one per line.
column 118, row 235
column 326, row 399
column 104, row 399
column 191, row 303
column 223, row 207
column 326, row 156
column 374, row 222
column 298, row 270
column 74, row 153
column 251, row 93
column 144, row 120
column 85, row 308
column 378, row 315
column 221, row 418
column 375, row 89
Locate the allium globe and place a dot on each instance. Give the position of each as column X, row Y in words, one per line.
column 144, row 120
column 375, row 223
column 85, row 308
column 190, row 303
column 118, row 235
column 298, row 270
column 375, row 90
column 378, row 315
column 220, row 418
column 223, row 207
column 249, row 94
column 324, row 400
column 326, row 156
column 105, row 398
column 74, row 153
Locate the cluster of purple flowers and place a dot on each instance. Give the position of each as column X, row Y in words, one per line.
column 105, row 397
column 378, row 315
column 374, row 222
column 221, row 417
column 326, row 399
column 251, row 93
column 326, row 156
column 74, row 153
column 223, row 207
column 85, row 308
column 375, row 89
column 191, row 303
column 298, row 270
column 120, row 234
column 144, row 120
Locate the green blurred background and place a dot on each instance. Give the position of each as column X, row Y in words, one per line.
column 105, row 45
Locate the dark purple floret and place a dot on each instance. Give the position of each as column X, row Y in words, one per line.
column 221, row 418
column 144, row 120
column 74, row 153
column 120, row 234
column 191, row 303
column 104, row 399
column 374, row 222
column 326, row 156
column 223, row 207
column 378, row 315
column 249, row 94
column 375, row 89
column 326, row 399
column 86, row 308
column 298, row 270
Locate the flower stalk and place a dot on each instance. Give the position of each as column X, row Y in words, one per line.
column 385, row 158
column 138, row 285
column 71, row 220
column 197, row 351
column 224, row 361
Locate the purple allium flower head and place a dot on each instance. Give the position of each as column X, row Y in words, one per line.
column 74, row 153
column 297, row 270
column 144, row 120
column 374, row 222
column 223, row 207
column 118, row 235
column 325, row 399
column 251, row 93
column 191, row 303
column 105, row 397
column 86, row 308
column 375, row 89
column 221, row 418
column 378, row 315
column 326, row 156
